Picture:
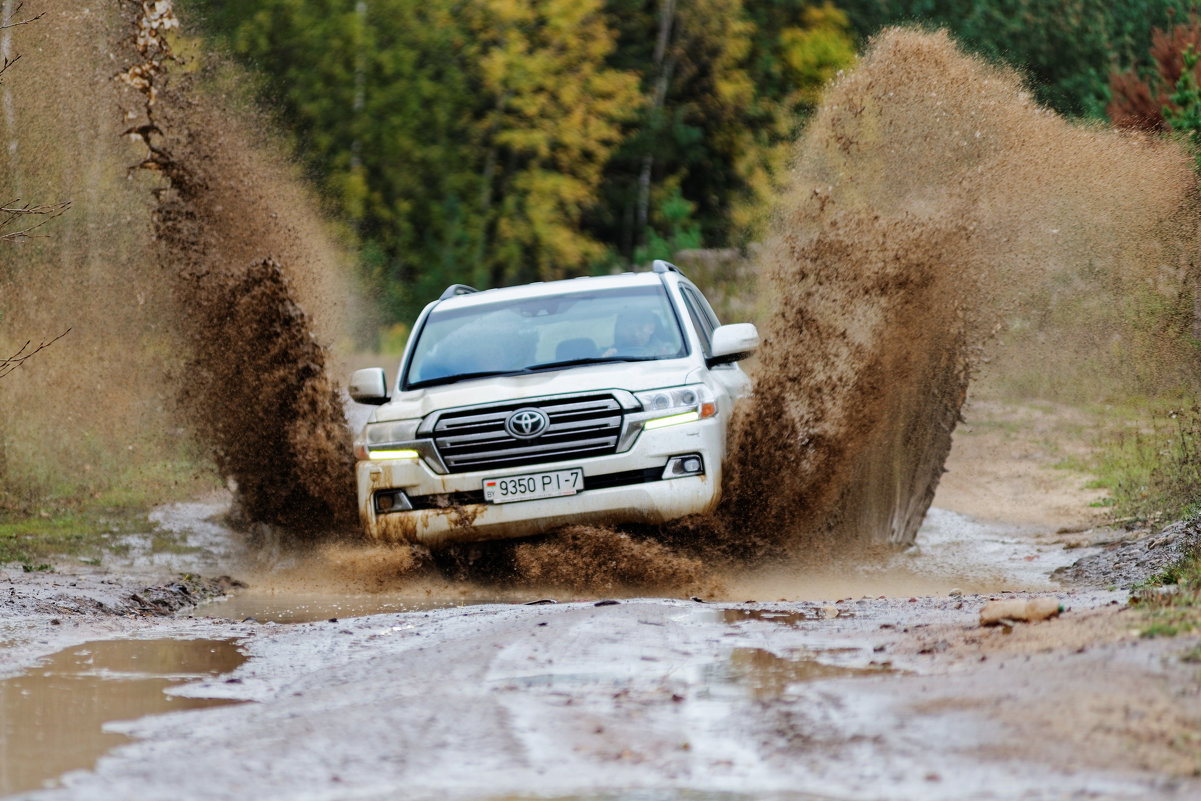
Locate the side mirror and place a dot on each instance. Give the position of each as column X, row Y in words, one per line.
column 732, row 343
column 369, row 385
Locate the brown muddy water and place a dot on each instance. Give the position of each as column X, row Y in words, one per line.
column 954, row 553
column 57, row 717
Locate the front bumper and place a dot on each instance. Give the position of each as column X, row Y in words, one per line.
column 454, row 512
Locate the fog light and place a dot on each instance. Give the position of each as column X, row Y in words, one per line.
column 680, row 466
column 392, row 501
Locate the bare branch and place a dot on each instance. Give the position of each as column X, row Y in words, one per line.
column 8, row 62
column 11, row 363
column 11, row 212
column 13, row 22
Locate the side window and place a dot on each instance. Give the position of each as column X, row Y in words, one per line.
column 702, row 305
column 703, row 323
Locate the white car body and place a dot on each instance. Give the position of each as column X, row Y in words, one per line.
column 456, row 458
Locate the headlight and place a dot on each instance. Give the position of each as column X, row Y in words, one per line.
column 675, row 405
column 386, row 440
column 391, row 431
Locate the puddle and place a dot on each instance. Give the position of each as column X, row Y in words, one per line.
column 298, row 607
column 983, row 556
column 769, row 676
column 52, row 717
column 791, row 618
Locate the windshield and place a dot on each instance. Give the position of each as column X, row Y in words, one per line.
column 531, row 334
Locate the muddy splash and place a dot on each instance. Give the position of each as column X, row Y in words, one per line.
column 936, row 219
column 600, row 559
column 244, row 260
column 932, row 203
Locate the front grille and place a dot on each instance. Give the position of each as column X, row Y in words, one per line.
column 580, row 426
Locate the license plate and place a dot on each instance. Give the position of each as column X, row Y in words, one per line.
column 533, row 486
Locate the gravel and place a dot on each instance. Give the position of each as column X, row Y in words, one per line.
column 1123, row 564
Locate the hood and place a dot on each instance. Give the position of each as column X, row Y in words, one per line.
column 631, row 376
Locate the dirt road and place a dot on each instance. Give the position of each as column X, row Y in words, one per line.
column 871, row 680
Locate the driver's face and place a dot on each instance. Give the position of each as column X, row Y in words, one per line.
column 641, row 333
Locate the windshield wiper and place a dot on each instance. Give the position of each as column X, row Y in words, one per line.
column 452, row 379
column 533, row 368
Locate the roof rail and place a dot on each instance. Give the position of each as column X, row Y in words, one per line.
column 661, row 266
column 456, row 289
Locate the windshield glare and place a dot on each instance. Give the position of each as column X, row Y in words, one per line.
column 635, row 323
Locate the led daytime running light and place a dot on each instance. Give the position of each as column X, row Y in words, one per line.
column 673, row 420
column 392, row 454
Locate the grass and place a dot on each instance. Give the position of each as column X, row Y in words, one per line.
column 1171, row 602
column 85, row 523
column 36, row 543
column 1153, row 472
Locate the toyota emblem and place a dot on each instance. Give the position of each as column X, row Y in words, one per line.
column 527, row 423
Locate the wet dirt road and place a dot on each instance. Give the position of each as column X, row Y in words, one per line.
column 865, row 681
column 654, row 698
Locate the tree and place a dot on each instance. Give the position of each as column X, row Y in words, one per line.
column 1149, row 99
column 496, row 141
column 1067, row 48
column 1184, row 116
column 727, row 86
column 691, row 137
column 553, row 115
column 463, row 140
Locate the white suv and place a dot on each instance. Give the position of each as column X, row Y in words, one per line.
column 518, row 410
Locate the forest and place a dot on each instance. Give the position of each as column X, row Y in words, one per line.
column 493, row 142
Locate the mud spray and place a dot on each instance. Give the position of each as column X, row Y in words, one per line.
column 244, row 261
column 931, row 205
column 935, row 216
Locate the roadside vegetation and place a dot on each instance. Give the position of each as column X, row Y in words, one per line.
column 1171, row 603
column 1152, row 469
column 1149, row 461
column 1153, row 476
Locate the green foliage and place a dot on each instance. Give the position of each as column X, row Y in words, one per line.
column 496, row 141
column 1066, row 47
column 814, row 52
column 1184, row 116
column 681, row 231
column 1153, row 471
column 551, row 114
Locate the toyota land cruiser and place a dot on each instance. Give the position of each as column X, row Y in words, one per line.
column 518, row 410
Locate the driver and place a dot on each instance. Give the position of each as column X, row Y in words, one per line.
column 634, row 334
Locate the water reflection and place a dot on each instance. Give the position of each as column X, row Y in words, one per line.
column 769, row 676
column 790, row 618
column 301, row 607
column 52, row 718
